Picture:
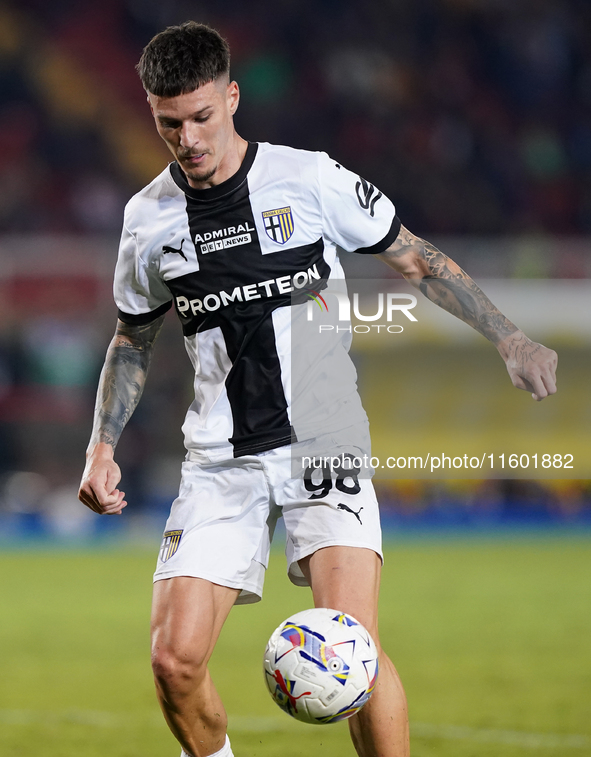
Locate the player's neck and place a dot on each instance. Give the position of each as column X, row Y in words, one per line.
column 229, row 164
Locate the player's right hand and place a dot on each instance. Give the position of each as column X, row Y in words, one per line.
column 531, row 366
column 98, row 488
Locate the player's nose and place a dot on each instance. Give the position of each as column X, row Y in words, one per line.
column 189, row 135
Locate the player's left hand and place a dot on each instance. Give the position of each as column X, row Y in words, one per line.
column 531, row 365
column 98, row 488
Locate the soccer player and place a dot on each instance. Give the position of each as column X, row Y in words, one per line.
column 228, row 233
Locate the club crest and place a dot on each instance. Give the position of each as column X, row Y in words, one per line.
column 278, row 224
column 170, row 544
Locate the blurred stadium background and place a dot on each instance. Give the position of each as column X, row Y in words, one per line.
column 474, row 116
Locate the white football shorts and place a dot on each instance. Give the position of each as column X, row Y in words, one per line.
column 221, row 525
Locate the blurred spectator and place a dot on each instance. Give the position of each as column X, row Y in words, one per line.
column 97, row 203
column 473, row 117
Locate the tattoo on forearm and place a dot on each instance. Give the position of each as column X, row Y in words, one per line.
column 447, row 285
column 122, row 379
column 456, row 292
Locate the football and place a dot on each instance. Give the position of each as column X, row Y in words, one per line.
column 321, row 666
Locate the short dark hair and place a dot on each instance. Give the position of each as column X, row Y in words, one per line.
column 182, row 58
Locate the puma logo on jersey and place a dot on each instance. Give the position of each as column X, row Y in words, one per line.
column 366, row 201
column 166, row 249
column 347, row 509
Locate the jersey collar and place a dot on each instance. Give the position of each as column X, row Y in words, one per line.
column 219, row 190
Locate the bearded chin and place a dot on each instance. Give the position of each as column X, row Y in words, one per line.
column 201, row 175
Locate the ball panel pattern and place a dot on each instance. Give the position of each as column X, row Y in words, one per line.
column 321, row 666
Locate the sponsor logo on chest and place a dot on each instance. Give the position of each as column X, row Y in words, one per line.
column 222, row 239
column 281, row 285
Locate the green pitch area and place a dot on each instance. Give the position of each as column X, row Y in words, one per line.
column 491, row 639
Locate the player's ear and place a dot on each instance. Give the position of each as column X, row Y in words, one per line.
column 233, row 95
column 150, row 104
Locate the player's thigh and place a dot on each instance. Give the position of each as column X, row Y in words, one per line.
column 219, row 527
column 328, row 499
column 187, row 617
column 346, row 579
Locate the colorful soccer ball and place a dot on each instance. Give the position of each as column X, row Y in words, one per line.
column 321, row 666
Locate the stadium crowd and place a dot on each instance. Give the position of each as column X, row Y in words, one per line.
column 474, row 116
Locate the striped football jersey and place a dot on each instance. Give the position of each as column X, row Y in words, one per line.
column 239, row 262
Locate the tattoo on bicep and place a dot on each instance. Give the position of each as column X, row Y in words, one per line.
column 123, row 378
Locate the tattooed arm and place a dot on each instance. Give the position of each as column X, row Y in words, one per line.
column 531, row 366
column 120, row 388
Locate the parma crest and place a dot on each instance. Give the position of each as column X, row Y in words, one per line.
column 278, row 224
column 170, row 544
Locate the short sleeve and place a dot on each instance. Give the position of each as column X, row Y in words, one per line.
column 356, row 215
column 140, row 294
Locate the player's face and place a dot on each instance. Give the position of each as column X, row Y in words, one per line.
column 199, row 131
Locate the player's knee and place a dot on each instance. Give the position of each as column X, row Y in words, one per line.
column 177, row 669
